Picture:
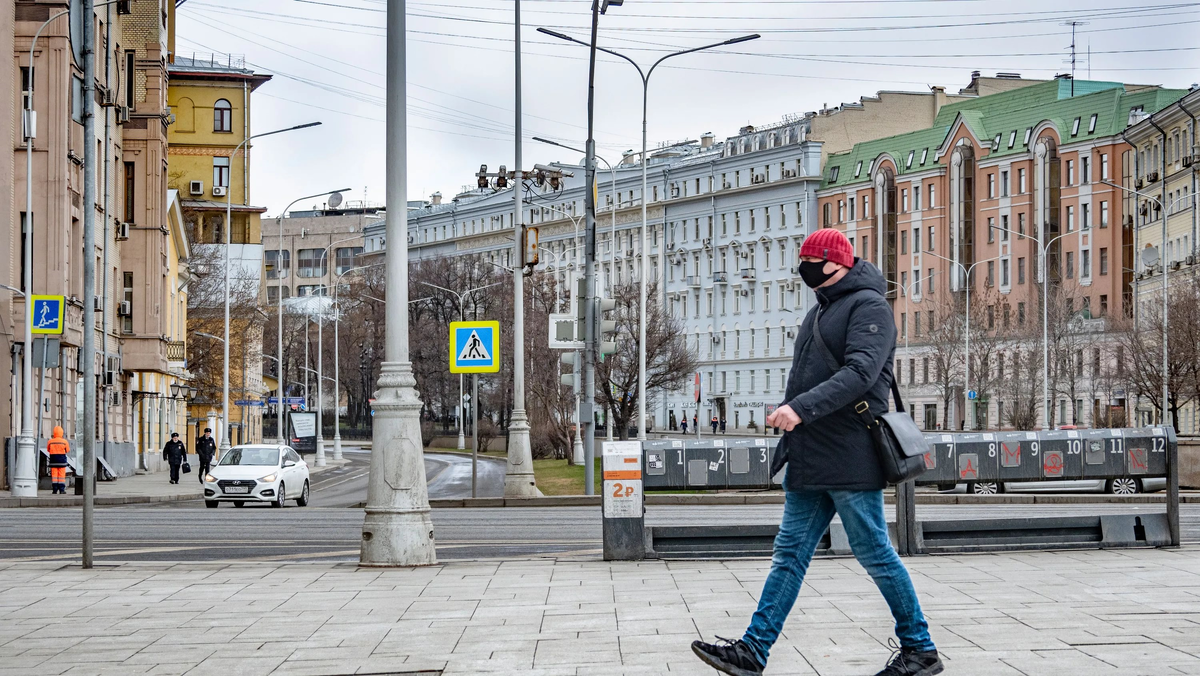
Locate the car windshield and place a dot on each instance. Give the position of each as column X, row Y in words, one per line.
column 251, row 455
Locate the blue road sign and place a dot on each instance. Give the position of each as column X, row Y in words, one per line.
column 48, row 314
column 248, row 402
column 474, row 347
column 286, row 400
column 972, row 394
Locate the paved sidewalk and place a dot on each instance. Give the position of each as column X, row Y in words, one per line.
column 136, row 489
column 1130, row 612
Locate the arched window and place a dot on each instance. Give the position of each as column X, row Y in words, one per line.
column 222, row 116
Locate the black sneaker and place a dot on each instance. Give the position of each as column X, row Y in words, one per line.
column 909, row 662
column 731, row 657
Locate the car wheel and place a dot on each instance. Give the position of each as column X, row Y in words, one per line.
column 983, row 488
column 302, row 501
column 239, row 503
column 280, row 496
column 1125, row 486
column 211, row 504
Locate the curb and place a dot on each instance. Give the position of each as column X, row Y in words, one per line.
column 776, row 498
column 108, row 501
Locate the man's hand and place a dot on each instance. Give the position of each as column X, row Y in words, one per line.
column 784, row 418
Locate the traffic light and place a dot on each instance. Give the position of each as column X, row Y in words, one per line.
column 569, row 379
column 502, row 179
column 482, row 176
column 607, row 327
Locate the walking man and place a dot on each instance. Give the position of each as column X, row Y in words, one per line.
column 58, row 448
column 715, row 422
column 175, row 453
column 206, row 448
column 832, row 466
column 683, row 423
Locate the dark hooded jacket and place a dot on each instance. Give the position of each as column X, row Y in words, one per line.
column 832, row 449
column 174, row 452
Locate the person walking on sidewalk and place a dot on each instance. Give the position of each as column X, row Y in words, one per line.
column 683, row 424
column 832, row 466
column 58, row 448
column 206, row 449
column 175, row 453
column 715, row 422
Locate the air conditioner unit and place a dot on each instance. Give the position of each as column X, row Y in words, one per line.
column 789, row 173
column 124, row 309
column 758, row 178
column 1138, row 184
column 716, row 339
column 1152, row 177
column 743, row 292
column 196, row 187
column 629, row 253
column 728, row 186
column 123, row 231
column 707, row 243
column 122, row 114
column 108, row 97
column 114, row 397
column 1187, row 160
column 795, row 269
column 1190, row 260
column 97, row 304
column 674, row 191
column 1175, row 265
column 123, row 7
column 219, row 190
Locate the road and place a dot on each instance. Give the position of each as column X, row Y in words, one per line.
column 332, row 534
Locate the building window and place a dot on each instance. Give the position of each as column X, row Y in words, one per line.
column 221, row 172
column 991, row 229
column 222, row 116
column 858, row 169
column 1104, row 214
column 129, row 192
column 1070, row 265
column 1069, row 179
column 127, row 296
column 932, row 194
column 1020, row 271
column 1103, row 166
column 903, row 200
column 1085, row 170
column 1004, row 184
column 991, row 273
column 916, row 199
column 1085, row 263
column 1075, row 127
column 310, row 290
column 1021, row 314
column 312, row 263
column 273, row 293
column 916, row 238
column 1092, row 123
column 1103, row 305
column 1021, row 180
column 347, row 257
column 1070, row 218
column 1004, row 230
column 992, row 185
column 924, row 155
column 1021, row 224
column 826, row 215
column 275, row 269
column 1103, row 261
column 929, row 240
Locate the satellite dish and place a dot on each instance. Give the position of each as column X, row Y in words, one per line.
column 335, row 200
column 1150, row 256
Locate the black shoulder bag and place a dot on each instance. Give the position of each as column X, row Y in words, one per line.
column 899, row 443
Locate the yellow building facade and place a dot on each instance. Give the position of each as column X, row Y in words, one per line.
column 209, row 166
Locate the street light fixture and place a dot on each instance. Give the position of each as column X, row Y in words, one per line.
column 645, row 75
column 228, row 228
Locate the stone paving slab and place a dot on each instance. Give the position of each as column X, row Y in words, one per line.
column 1090, row 613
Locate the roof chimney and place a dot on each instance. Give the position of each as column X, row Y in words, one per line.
column 707, row 139
column 939, row 98
column 436, row 198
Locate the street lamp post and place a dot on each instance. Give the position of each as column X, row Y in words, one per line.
column 645, row 75
column 969, row 413
column 337, row 350
column 224, row 445
column 279, row 297
column 397, row 530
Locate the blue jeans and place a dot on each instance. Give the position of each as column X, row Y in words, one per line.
column 806, row 515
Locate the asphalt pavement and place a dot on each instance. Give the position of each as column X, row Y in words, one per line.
column 329, row 534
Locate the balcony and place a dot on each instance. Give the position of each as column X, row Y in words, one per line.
column 721, row 277
column 748, row 274
column 177, row 351
column 693, row 280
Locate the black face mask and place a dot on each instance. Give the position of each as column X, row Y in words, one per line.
column 813, row 273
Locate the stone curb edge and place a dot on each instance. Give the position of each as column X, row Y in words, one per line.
column 777, row 499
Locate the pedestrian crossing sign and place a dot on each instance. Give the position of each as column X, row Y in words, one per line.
column 474, row 347
column 48, row 314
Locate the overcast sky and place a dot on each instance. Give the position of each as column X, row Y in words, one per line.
column 327, row 58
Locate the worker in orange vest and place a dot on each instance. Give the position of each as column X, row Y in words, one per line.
column 58, row 448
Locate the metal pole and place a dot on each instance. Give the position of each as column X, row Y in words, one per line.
column 89, row 277
column 474, row 431
column 320, row 391
column 279, row 330
column 968, row 405
column 42, row 382
column 589, row 273
column 397, row 530
column 104, row 260
column 645, row 260
column 518, row 480
column 459, row 414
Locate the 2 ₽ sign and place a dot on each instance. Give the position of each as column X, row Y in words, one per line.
column 622, row 465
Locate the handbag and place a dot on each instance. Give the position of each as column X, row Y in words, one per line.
column 187, row 467
column 900, row 444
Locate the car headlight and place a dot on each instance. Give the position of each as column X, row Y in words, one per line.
column 210, row 478
column 268, row 478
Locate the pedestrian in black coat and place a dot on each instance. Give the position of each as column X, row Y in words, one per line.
column 206, row 450
column 175, row 453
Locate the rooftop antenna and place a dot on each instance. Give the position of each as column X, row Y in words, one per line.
column 1073, row 25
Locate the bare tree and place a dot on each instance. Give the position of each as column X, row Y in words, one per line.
column 669, row 362
column 945, row 348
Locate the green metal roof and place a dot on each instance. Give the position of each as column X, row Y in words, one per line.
column 1002, row 121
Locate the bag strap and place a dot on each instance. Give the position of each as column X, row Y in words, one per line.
column 863, row 410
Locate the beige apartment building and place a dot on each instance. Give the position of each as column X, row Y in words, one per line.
column 319, row 246
column 137, row 240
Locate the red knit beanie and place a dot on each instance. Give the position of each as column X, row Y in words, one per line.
column 829, row 244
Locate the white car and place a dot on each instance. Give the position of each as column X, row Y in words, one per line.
column 257, row 473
